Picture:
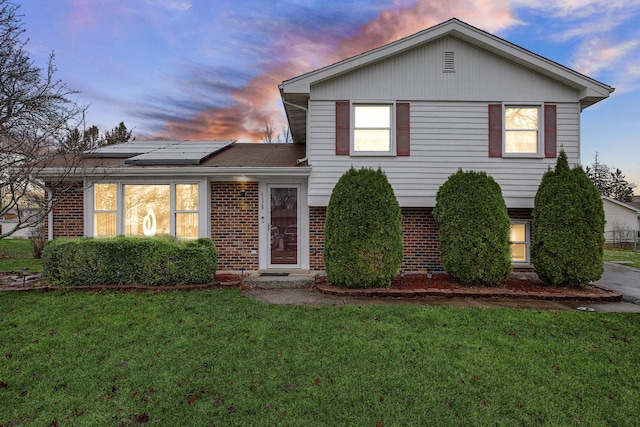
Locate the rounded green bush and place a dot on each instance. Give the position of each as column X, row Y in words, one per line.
column 567, row 227
column 159, row 260
column 474, row 228
column 363, row 231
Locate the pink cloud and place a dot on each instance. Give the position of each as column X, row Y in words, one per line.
column 259, row 101
column 596, row 54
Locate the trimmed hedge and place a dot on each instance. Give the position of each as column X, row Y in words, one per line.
column 567, row 227
column 363, row 231
column 474, row 228
column 129, row 261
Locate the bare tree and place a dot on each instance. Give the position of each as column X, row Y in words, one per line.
column 623, row 236
column 285, row 136
column 36, row 114
column 268, row 135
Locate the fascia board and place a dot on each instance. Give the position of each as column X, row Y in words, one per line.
column 163, row 172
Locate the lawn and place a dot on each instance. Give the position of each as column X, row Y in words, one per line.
column 15, row 255
column 620, row 255
column 215, row 358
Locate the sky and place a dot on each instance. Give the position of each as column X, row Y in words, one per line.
column 210, row 69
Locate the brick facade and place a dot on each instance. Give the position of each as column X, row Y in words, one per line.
column 68, row 210
column 234, row 224
column 235, row 228
column 420, row 238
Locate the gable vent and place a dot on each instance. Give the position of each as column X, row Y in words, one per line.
column 449, row 62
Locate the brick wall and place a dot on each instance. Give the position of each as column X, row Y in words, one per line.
column 68, row 216
column 317, row 216
column 420, row 239
column 234, row 224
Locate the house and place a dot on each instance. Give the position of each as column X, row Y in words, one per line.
column 622, row 222
column 10, row 221
column 449, row 97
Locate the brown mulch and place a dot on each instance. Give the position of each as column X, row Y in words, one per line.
column 443, row 285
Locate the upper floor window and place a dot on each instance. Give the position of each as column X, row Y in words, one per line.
column 522, row 130
column 372, row 128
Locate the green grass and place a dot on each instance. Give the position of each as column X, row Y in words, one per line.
column 216, row 358
column 15, row 255
column 620, row 255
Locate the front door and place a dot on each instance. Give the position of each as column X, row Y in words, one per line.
column 284, row 218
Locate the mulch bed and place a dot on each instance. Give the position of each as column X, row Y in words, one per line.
column 443, row 285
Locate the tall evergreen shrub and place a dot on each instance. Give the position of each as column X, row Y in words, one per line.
column 474, row 228
column 363, row 231
column 567, row 227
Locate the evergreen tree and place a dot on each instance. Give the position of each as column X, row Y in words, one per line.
column 474, row 227
column 567, row 227
column 608, row 183
column 118, row 135
column 363, row 231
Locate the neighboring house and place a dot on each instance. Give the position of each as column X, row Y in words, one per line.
column 449, row 97
column 9, row 221
column 622, row 221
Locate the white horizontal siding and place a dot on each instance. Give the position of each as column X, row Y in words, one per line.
column 418, row 74
column 619, row 218
column 445, row 136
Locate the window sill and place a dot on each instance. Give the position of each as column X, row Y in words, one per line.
column 372, row 154
column 522, row 265
column 523, row 156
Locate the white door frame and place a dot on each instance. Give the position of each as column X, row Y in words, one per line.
column 264, row 220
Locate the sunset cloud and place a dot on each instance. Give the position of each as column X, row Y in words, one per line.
column 259, row 101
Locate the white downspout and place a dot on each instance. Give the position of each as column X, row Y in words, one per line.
column 306, row 110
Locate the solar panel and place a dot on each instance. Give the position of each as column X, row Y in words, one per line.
column 146, row 153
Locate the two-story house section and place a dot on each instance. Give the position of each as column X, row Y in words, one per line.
column 447, row 98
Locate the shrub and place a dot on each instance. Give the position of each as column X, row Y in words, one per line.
column 363, row 231
column 129, row 261
column 474, row 228
column 567, row 227
column 37, row 238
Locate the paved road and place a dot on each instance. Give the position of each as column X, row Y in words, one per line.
column 623, row 279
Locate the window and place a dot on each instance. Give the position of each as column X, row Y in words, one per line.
column 148, row 210
column 521, row 135
column 519, row 241
column 372, row 128
column 522, row 131
column 105, row 210
column 187, row 210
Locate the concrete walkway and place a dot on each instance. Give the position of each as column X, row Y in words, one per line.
column 296, row 290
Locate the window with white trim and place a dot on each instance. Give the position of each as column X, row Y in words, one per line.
column 372, row 127
column 520, row 241
column 522, row 130
column 146, row 210
column 105, row 206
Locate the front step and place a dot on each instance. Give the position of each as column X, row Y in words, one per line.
column 275, row 282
